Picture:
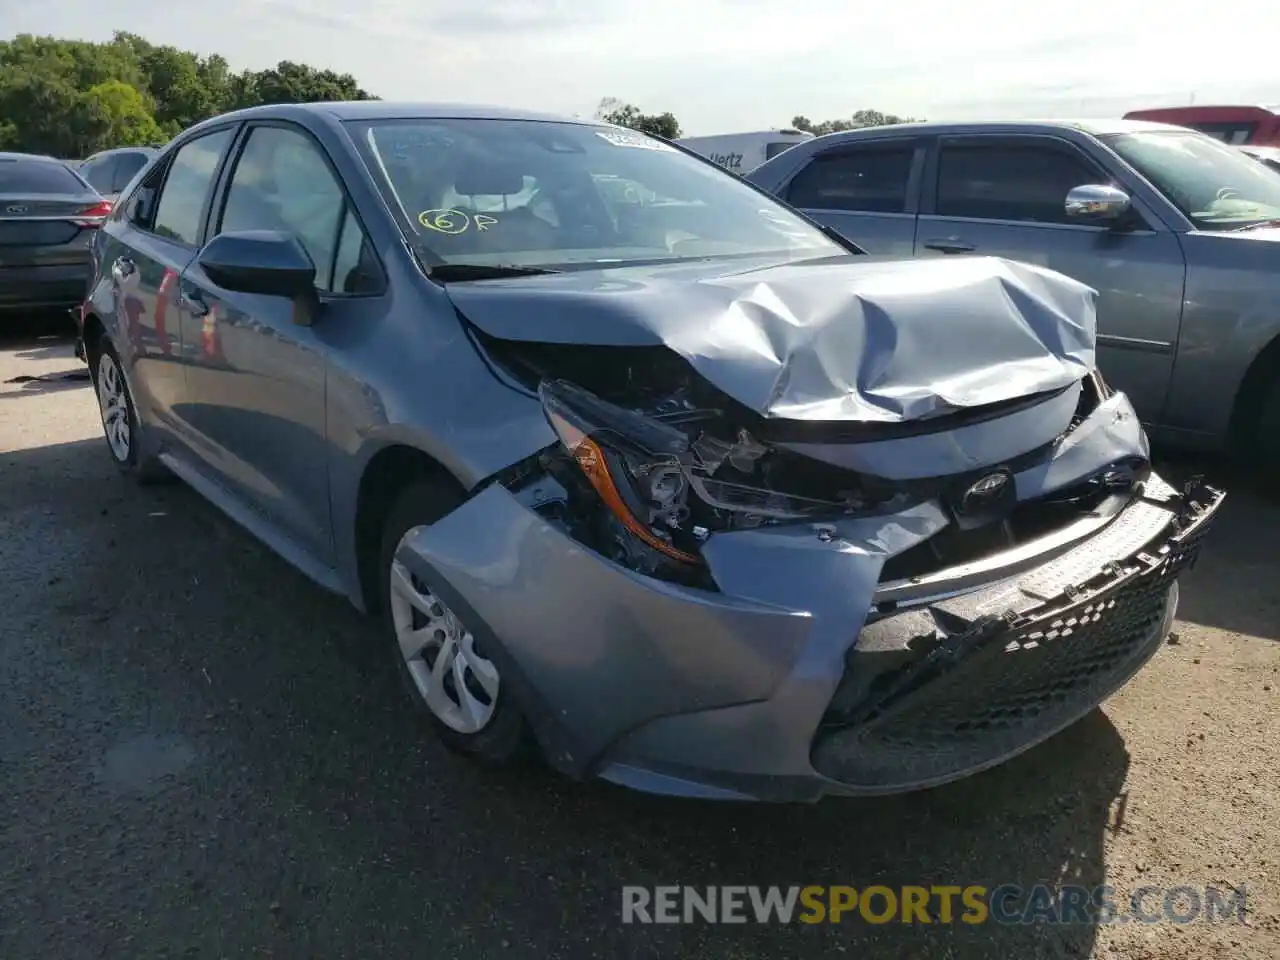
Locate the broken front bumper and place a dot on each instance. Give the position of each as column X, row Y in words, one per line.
column 805, row 675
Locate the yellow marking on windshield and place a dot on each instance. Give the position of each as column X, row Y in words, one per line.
column 450, row 221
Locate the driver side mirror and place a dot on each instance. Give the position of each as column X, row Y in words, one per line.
column 267, row 262
column 1097, row 202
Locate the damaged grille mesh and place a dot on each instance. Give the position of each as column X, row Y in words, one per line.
column 1022, row 685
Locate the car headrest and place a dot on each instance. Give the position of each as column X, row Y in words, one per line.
column 488, row 178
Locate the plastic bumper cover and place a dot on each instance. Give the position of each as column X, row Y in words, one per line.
column 766, row 690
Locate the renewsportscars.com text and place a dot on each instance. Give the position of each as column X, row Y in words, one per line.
column 972, row 904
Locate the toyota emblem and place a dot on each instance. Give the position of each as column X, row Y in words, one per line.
column 984, row 491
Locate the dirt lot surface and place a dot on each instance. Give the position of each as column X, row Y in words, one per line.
column 203, row 755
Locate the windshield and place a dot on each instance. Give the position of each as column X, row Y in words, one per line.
column 1216, row 186
column 540, row 193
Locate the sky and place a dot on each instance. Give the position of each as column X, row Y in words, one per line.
column 730, row 65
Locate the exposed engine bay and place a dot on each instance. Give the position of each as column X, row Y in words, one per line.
column 654, row 460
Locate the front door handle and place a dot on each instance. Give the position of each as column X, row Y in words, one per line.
column 949, row 245
column 193, row 303
column 122, row 269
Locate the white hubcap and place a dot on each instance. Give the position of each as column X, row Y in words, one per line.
column 456, row 682
column 114, row 407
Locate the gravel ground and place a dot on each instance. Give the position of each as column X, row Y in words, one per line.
column 203, row 755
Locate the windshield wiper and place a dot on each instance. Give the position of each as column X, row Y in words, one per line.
column 457, row 272
column 1274, row 222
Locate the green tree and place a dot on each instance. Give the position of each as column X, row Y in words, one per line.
column 71, row 98
column 120, row 115
column 858, row 120
column 44, row 114
column 613, row 110
column 290, row 82
column 78, row 62
column 185, row 88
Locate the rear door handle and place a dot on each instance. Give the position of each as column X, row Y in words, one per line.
column 949, row 245
column 193, row 303
column 123, row 268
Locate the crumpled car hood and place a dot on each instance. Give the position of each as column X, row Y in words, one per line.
column 861, row 340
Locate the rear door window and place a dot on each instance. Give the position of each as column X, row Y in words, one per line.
column 180, row 209
column 864, row 180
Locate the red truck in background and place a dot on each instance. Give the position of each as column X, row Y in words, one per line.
column 1237, row 125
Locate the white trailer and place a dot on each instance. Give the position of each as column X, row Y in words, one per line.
column 743, row 152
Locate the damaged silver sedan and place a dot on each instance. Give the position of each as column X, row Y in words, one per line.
column 641, row 469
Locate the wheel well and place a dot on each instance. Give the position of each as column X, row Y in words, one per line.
column 391, row 471
column 92, row 336
column 1254, row 389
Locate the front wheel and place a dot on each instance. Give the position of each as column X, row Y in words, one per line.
column 443, row 664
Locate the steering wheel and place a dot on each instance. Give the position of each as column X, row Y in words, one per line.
column 1228, row 193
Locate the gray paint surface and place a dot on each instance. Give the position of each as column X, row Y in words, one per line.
column 278, row 424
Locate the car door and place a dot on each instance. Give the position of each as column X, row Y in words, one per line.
column 143, row 249
column 1005, row 196
column 866, row 190
column 256, row 378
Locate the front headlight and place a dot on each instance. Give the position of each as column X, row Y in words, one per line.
column 671, row 483
column 631, row 461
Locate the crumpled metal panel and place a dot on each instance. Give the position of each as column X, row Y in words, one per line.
column 959, row 450
column 1110, row 433
column 867, row 341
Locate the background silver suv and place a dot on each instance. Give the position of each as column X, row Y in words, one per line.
column 1175, row 230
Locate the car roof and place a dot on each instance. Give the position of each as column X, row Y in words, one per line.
column 42, row 157
column 395, row 110
column 1097, row 128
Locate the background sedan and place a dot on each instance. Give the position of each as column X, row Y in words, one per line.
column 48, row 216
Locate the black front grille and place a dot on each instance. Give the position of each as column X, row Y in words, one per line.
column 1001, row 686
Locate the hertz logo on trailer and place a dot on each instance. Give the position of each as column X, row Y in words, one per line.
column 730, row 161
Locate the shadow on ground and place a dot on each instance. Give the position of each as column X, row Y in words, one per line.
column 34, row 385
column 1233, row 586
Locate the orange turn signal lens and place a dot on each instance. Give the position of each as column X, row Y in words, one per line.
column 592, row 461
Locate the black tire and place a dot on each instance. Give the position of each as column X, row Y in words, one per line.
column 505, row 739
column 139, row 462
column 1267, row 434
